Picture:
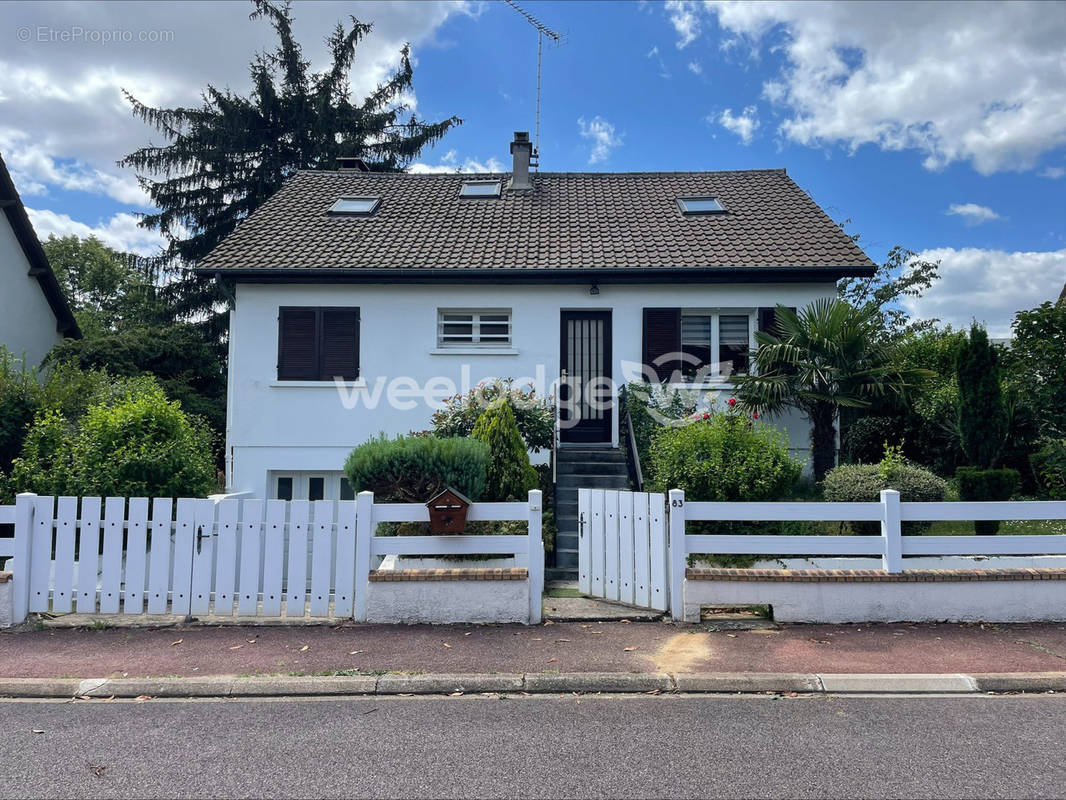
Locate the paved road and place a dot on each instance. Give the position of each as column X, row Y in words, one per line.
column 665, row 746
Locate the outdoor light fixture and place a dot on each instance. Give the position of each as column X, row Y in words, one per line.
column 594, row 289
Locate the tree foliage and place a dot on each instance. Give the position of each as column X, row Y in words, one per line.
column 1036, row 364
column 982, row 413
column 509, row 475
column 827, row 356
column 901, row 275
column 227, row 156
column 535, row 417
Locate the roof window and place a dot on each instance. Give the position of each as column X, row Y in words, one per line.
column 355, row 206
column 480, row 189
column 700, row 205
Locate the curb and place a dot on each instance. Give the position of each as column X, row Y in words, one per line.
column 533, row 683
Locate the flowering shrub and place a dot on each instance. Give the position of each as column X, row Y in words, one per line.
column 535, row 417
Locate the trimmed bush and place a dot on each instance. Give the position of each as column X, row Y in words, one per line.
column 866, row 437
column 509, row 475
column 412, row 469
column 138, row 445
column 860, row 483
column 535, row 418
column 986, row 484
column 983, row 421
column 725, row 457
column 650, row 408
column 1049, row 465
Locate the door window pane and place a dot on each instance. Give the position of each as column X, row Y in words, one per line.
column 316, row 488
column 347, row 492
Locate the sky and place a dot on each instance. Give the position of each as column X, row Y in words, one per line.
column 940, row 127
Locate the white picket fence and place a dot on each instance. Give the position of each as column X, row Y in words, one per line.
column 269, row 558
column 632, row 543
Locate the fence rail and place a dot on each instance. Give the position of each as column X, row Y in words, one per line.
column 891, row 546
column 230, row 556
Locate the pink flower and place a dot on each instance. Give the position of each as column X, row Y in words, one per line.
column 732, row 401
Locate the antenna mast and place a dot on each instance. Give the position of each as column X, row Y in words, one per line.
column 542, row 31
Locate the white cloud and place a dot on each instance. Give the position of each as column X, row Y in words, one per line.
column 450, row 163
column 664, row 71
column 684, row 15
column 985, row 84
column 1053, row 172
column 743, row 124
column 120, row 232
column 695, row 67
column 972, row 213
column 65, row 122
column 990, row 286
column 602, row 135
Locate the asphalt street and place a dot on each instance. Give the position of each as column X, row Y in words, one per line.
column 540, row 746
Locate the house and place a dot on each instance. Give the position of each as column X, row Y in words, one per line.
column 34, row 314
column 409, row 288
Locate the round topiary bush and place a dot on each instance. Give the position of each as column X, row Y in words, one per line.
column 411, row 469
column 723, row 457
column 859, row 483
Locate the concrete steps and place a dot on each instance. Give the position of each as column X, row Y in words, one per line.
column 580, row 468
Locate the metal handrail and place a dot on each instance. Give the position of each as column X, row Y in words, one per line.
column 636, row 474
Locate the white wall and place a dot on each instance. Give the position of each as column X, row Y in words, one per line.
column 27, row 324
column 276, row 425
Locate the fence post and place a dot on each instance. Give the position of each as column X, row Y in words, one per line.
column 20, row 562
column 677, row 554
column 364, row 531
column 891, row 531
column 536, row 558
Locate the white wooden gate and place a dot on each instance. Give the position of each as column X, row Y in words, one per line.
column 622, row 547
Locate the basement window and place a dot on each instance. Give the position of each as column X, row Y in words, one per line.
column 700, row 205
column 480, row 189
column 355, row 206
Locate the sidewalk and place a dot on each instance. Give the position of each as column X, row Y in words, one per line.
column 563, row 647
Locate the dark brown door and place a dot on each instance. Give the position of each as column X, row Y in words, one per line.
column 586, row 395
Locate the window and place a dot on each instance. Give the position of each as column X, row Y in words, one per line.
column 316, row 488
column 347, row 492
column 310, row 485
column 697, row 344
column 480, row 189
column 700, row 205
column 318, row 344
column 476, row 328
column 355, row 206
column 284, row 488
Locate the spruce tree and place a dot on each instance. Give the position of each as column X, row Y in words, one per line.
column 229, row 155
column 982, row 414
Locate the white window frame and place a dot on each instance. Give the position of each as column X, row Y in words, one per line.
column 476, row 189
column 301, row 483
column 338, row 209
column 475, row 342
column 715, row 375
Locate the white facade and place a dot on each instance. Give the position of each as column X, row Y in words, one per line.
column 27, row 322
column 303, row 429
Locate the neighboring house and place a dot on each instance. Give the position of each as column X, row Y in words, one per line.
column 34, row 314
column 417, row 286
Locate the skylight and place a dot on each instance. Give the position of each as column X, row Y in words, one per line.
column 358, row 206
column 480, row 189
column 700, row 205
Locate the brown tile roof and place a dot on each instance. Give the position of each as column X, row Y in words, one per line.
column 589, row 221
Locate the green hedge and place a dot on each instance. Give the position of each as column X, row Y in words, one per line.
column 1049, row 465
column 535, row 417
column 859, row 483
column 984, row 485
column 411, row 469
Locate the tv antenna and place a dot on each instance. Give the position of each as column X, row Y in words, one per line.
column 542, row 31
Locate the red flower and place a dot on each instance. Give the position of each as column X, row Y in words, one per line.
column 706, row 415
column 755, row 415
column 732, row 402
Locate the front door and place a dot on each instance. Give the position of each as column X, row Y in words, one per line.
column 586, row 398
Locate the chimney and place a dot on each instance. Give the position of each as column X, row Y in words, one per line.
column 352, row 164
column 521, row 149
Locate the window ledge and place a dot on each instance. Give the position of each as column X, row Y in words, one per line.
column 357, row 384
column 706, row 386
column 473, row 351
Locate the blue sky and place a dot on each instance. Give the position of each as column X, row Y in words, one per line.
column 938, row 127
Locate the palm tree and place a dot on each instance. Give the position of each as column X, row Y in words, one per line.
column 830, row 355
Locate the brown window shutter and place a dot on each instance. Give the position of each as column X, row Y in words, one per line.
column 297, row 344
column 662, row 336
column 340, row 344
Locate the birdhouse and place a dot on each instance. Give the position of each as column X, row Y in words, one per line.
column 447, row 512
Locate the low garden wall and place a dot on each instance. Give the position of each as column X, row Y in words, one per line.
column 7, row 614
column 445, row 596
column 841, row 596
